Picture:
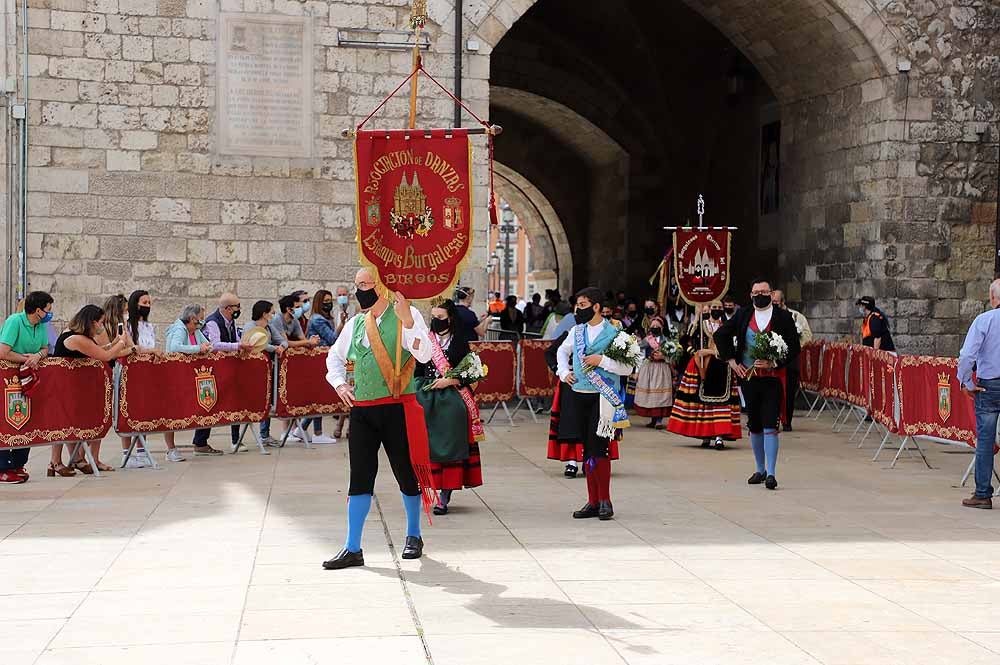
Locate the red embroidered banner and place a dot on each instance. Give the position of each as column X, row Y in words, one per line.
column 833, row 380
column 809, row 365
column 859, row 376
column 535, row 377
column 177, row 391
column 414, row 207
column 701, row 264
column 931, row 401
column 883, row 389
column 500, row 357
column 302, row 386
column 71, row 402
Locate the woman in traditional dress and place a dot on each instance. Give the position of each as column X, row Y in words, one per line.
column 453, row 425
column 654, row 389
column 706, row 405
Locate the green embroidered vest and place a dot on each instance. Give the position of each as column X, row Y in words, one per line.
column 369, row 384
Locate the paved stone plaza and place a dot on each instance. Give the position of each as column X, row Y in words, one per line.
column 217, row 560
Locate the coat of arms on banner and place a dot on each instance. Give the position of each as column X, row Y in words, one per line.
column 374, row 214
column 17, row 405
column 452, row 213
column 701, row 262
column 208, row 392
column 944, row 397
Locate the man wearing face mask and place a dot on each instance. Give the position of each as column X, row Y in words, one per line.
column 286, row 329
column 595, row 407
column 729, row 306
column 343, row 307
column 764, row 390
column 384, row 410
column 875, row 325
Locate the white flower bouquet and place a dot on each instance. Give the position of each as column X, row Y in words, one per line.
column 469, row 370
column 671, row 348
column 624, row 348
column 768, row 346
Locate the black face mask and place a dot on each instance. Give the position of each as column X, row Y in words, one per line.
column 705, row 316
column 631, row 313
column 716, row 314
column 729, row 310
column 327, row 307
column 143, row 312
column 650, row 310
column 236, row 314
column 366, row 298
column 761, row 301
column 656, row 332
column 440, row 325
column 584, row 315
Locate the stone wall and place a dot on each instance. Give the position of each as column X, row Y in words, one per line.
column 127, row 189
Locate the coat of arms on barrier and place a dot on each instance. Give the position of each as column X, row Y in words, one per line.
column 18, row 407
column 944, row 397
column 207, row 390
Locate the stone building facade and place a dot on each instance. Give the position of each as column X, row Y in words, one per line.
column 889, row 146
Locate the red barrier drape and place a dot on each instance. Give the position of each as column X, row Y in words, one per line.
column 834, row 373
column 177, row 391
column 307, row 393
column 72, row 402
column 882, row 369
column 535, row 377
column 809, row 365
column 859, row 376
column 931, row 400
column 501, row 358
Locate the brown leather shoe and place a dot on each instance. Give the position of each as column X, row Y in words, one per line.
column 976, row 502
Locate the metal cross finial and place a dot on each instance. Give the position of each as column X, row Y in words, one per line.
column 701, row 210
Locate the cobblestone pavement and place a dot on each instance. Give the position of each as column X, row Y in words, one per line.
column 217, row 560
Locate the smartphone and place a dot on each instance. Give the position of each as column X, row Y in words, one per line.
column 121, row 329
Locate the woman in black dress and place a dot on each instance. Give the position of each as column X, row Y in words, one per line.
column 77, row 341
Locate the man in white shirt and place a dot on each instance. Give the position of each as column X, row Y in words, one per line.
column 384, row 344
column 595, row 381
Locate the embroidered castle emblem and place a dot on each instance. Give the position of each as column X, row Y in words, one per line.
column 453, row 213
column 207, row 390
column 410, row 214
column 17, row 406
column 944, row 397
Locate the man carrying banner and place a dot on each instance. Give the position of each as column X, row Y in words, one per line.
column 384, row 343
column 763, row 381
column 595, row 408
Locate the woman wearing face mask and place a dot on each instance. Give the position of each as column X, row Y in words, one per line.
column 144, row 334
column 706, row 405
column 453, row 424
column 654, row 393
column 79, row 341
column 322, row 324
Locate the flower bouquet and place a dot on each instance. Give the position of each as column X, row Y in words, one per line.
column 624, row 348
column 768, row 346
column 672, row 349
column 469, row 370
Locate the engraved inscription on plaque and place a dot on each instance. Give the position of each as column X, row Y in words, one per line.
column 265, row 85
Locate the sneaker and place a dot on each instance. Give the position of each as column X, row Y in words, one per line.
column 11, row 478
column 296, row 435
column 206, row 451
column 136, row 461
column 323, row 438
column 174, row 455
column 271, row 441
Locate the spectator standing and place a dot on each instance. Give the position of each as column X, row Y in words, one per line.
column 24, row 341
column 875, row 327
column 496, row 304
column 565, row 323
column 511, row 320
column 981, row 354
column 286, row 331
column 791, row 371
column 303, row 308
column 143, row 334
column 343, row 307
column 321, row 325
column 79, row 341
column 115, row 316
column 185, row 336
column 729, row 306
column 474, row 326
column 534, row 314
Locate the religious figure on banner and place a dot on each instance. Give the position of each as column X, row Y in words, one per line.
column 18, row 409
column 208, row 392
column 944, row 397
column 408, row 183
column 701, row 264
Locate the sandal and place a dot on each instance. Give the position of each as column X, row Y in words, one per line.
column 59, row 470
column 83, row 467
column 101, row 466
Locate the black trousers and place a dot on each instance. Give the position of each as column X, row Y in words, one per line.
column 14, row 458
column 763, row 397
column 578, row 422
column 371, row 427
column 201, row 435
column 792, row 385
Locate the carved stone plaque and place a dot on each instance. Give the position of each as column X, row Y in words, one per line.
column 265, row 82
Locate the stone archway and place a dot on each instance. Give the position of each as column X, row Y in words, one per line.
column 549, row 246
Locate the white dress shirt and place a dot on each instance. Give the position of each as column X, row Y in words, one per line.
column 763, row 317
column 336, row 358
column 564, row 356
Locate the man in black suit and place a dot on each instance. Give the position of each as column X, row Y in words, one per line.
column 763, row 391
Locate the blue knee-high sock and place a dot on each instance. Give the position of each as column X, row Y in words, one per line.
column 358, row 506
column 771, row 449
column 757, row 441
column 412, row 505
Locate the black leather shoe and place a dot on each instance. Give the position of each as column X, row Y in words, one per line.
column 771, row 483
column 719, row 444
column 345, row 559
column 569, row 471
column 706, row 443
column 414, row 548
column 787, row 428
column 756, row 479
column 440, row 509
column 605, row 511
column 588, row 510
